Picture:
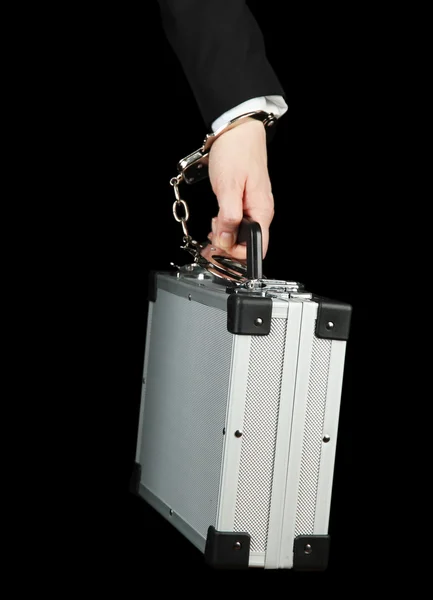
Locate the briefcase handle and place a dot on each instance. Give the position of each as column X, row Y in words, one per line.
column 251, row 233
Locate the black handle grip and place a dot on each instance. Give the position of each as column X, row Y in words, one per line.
column 251, row 233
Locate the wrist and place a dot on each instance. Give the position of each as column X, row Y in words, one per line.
column 263, row 119
column 194, row 167
column 252, row 131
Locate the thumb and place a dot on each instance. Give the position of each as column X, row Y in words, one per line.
column 228, row 220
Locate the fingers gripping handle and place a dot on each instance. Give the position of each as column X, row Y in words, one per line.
column 251, row 233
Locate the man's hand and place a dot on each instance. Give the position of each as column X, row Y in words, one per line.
column 238, row 173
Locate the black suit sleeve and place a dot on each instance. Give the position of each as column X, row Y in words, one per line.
column 221, row 50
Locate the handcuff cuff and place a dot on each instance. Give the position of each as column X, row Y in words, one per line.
column 194, row 168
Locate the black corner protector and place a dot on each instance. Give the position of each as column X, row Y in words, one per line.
column 134, row 482
column 249, row 315
column 151, row 292
column 333, row 319
column 227, row 550
column 311, row 552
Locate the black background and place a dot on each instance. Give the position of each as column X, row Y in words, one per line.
column 131, row 116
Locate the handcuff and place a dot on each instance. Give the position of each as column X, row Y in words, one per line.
column 194, row 168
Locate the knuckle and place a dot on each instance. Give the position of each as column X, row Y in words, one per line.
column 264, row 205
column 231, row 218
column 262, row 192
column 226, row 182
column 267, row 198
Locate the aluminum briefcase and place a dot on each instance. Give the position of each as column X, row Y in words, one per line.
column 239, row 411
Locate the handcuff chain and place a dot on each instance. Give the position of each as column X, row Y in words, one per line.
column 187, row 240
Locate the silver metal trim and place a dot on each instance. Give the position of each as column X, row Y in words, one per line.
column 176, row 520
column 210, row 295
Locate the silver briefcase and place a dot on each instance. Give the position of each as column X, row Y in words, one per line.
column 239, row 412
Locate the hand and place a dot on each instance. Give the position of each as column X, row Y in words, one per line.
column 238, row 173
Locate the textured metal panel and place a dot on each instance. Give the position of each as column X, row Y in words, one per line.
column 185, row 407
column 313, row 432
column 259, row 435
column 143, row 387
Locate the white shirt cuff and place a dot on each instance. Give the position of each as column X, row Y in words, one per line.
column 270, row 104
